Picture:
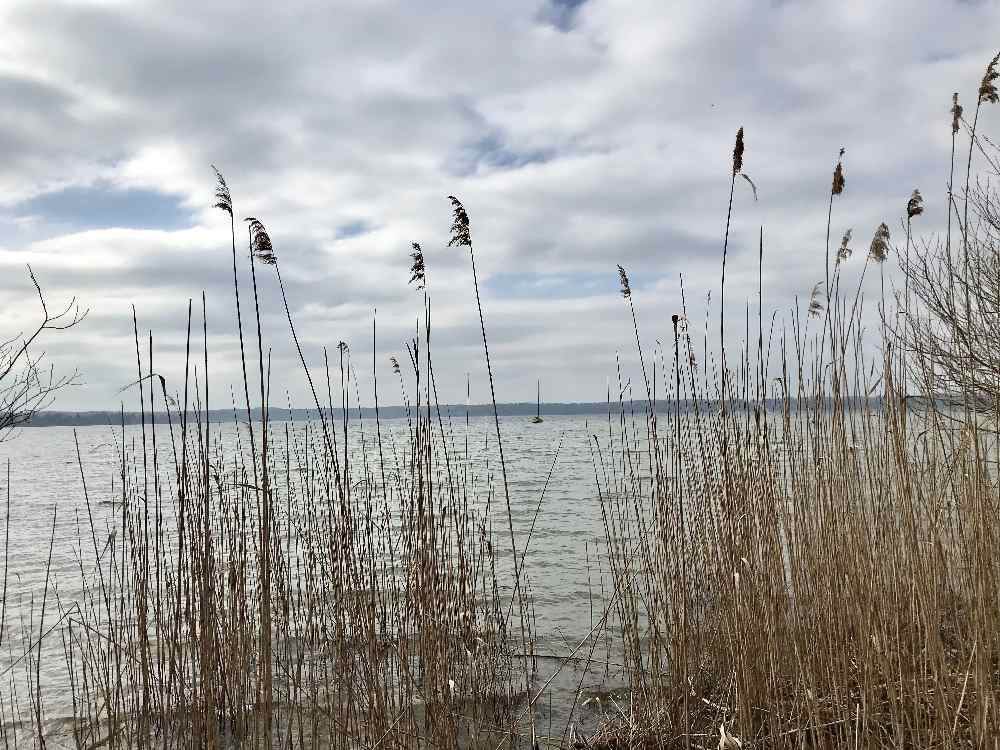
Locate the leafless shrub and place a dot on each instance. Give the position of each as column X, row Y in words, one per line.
column 27, row 385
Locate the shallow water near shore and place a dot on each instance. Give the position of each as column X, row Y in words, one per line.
column 565, row 573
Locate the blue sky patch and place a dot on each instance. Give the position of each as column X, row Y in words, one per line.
column 105, row 207
column 493, row 152
column 548, row 286
column 353, row 229
column 561, row 13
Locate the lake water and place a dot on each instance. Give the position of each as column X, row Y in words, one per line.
column 562, row 566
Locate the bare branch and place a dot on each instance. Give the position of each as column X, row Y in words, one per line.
column 26, row 385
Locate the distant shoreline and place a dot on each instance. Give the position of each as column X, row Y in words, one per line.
column 52, row 418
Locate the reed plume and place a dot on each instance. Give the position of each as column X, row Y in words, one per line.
column 987, row 89
column 417, row 270
column 838, row 175
column 956, row 113
column 844, row 251
column 914, row 206
column 879, row 249
column 815, row 306
column 223, row 199
column 626, row 288
column 260, row 242
column 738, row 153
column 460, row 232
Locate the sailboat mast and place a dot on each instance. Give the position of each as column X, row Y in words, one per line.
column 538, row 408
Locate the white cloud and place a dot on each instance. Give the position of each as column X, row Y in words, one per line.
column 574, row 149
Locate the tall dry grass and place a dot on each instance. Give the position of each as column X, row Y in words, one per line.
column 310, row 590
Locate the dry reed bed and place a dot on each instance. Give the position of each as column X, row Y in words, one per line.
column 840, row 592
column 329, row 600
column 384, row 614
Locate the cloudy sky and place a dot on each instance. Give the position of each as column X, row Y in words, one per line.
column 579, row 133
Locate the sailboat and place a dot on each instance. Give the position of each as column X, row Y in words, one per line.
column 537, row 419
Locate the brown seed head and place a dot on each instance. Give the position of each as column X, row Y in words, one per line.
column 956, row 112
column 460, row 234
column 417, row 270
column 838, row 175
column 223, row 199
column 395, row 364
column 914, row 206
column 623, row 277
column 844, row 252
column 987, row 90
column 738, row 152
column 260, row 242
column 879, row 249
